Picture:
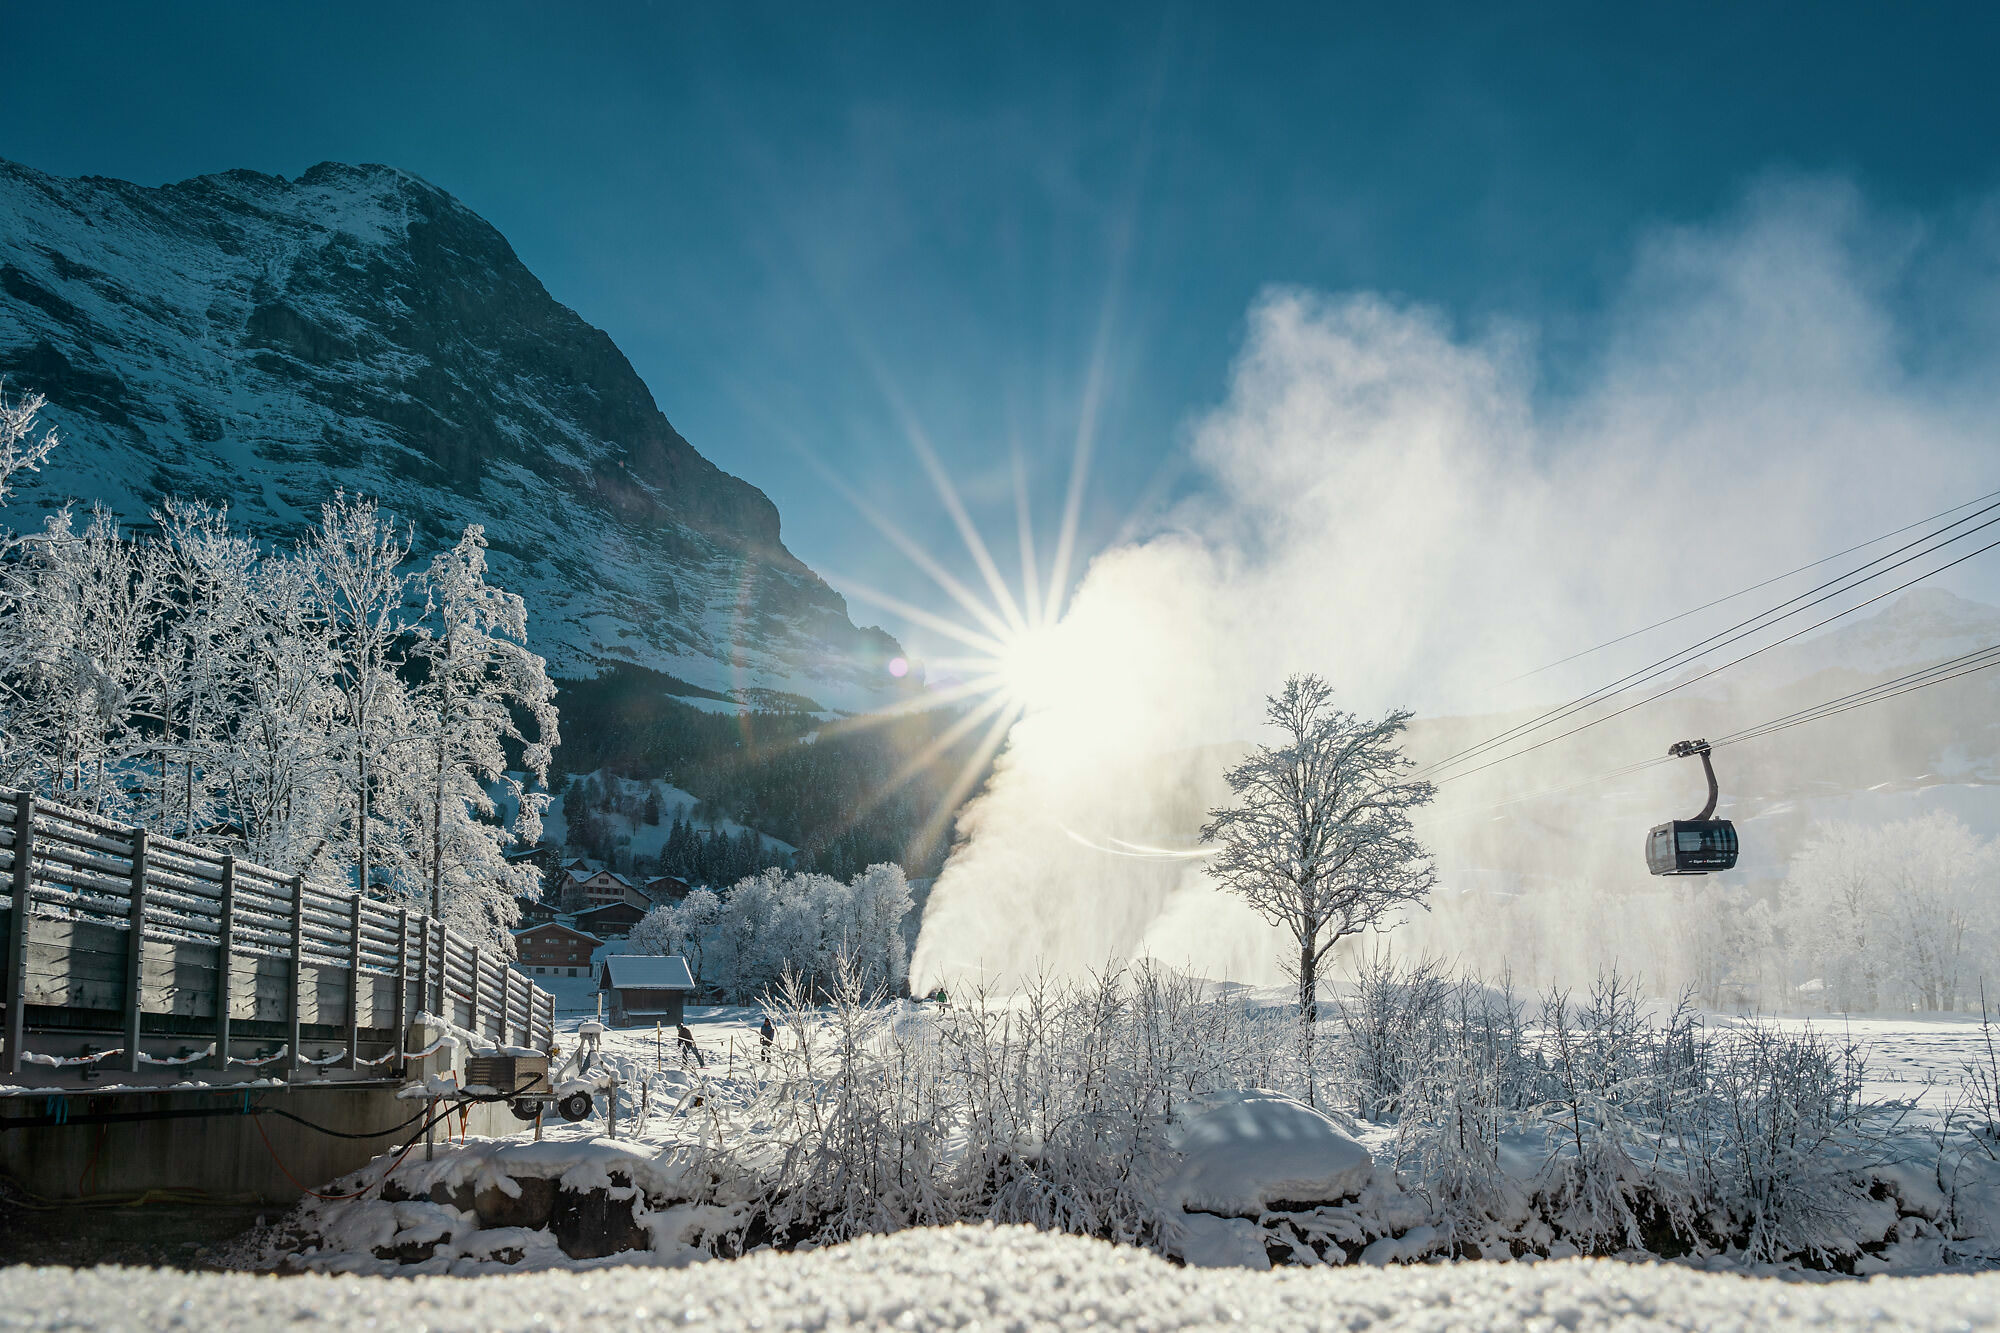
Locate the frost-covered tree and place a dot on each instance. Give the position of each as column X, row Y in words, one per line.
column 25, row 443
column 773, row 925
column 881, row 901
column 1319, row 839
column 200, row 572
column 306, row 706
column 682, row 928
column 478, row 676
column 355, row 557
column 1725, row 933
column 72, row 643
column 1895, row 916
column 283, row 776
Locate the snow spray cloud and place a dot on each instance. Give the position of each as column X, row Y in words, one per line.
column 1399, row 506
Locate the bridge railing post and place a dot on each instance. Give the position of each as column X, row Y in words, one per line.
column 18, row 926
column 354, row 983
column 402, row 1013
column 225, row 948
column 135, row 953
column 295, row 1016
column 472, row 1018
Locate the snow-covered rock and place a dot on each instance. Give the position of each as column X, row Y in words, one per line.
column 1243, row 1152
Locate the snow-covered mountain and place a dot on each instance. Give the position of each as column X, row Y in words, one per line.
column 263, row 341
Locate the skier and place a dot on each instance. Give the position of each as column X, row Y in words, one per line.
column 765, row 1036
column 688, row 1048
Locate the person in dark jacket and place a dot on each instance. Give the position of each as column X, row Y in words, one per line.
column 765, row 1036
column 688, row 1048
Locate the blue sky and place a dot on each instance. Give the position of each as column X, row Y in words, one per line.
column 795, row 218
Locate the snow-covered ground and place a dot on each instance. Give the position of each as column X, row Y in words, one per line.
column 1913, row 1060
column 1001, row 1278
column 986, row 1276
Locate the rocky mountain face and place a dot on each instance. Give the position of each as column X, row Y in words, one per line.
column 262, row 341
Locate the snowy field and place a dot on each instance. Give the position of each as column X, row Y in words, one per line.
column 1915, row 1060
column 1001, row 1278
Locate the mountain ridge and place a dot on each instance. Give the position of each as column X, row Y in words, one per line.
column 246, row 337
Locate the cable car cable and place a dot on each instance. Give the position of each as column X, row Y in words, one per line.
column 1770, row 617
column 1728, row 636
column 1966, row 664
column 1672, row 689
column 1979, row 659
column 1744, row 592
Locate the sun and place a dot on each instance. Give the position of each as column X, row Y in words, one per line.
column 1032, row 666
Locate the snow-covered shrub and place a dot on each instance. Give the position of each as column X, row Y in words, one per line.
column 1388, row 1028
column 1779, row 1137
column 1051, row 1107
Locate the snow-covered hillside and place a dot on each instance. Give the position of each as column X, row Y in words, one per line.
column 264, row 341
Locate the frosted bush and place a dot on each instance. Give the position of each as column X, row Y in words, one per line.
column 1589, row 1122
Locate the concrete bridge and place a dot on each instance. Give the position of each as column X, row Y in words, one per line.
column 164, row 1003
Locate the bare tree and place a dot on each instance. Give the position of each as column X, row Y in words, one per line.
column 1319, row 840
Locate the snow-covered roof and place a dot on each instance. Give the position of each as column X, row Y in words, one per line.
column 585, row 876
column 644, row 971
column 558, row 925
column 611, row 906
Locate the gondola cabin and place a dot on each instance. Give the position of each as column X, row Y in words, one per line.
column 1691, row 847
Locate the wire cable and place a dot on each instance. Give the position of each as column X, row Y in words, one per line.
column 1744, row 592
column 1965, row 664
column 1676, row 688
column 338, row 1133
column 1654, row 670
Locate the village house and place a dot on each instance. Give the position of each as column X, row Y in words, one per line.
column 552, row 949
column 585, row 884
column 534, row 911
column 666, row 890
column 610, row 921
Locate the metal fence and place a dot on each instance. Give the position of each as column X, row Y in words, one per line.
column 111, row 929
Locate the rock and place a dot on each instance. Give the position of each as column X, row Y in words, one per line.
column 530, row 1207
column 456, row 1196
column 1220, row 1242
column 589, row 1224
column 410, row 1252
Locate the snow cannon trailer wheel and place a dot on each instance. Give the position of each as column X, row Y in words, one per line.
column 574, row 1107
column 527, row 1108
